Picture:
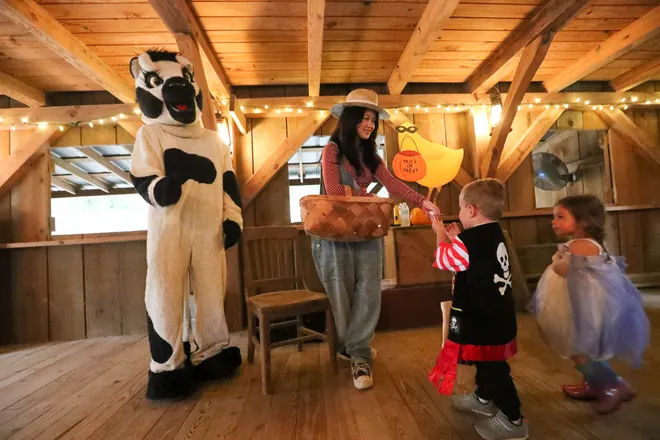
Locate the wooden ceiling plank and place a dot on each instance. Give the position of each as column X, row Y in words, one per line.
column 14, row 166
column 180, row 18
column 510, row 162
column 38, row 22
column 636, row 76
column 643, row 29
column 433, row 19
column 103, row 186
column 530, row 61
column 553, row 15
column 64, row 184
column 618, row 121
column 106, row 163
column 21, row 92
column 315, row 22
column 281, row 156
column 189, row 49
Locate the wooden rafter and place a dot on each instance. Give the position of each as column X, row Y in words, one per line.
column 461, row 179
column 106, row 163
column 315, row 21
column 64, row 184
column 66, row 114
column 626, row 128
column 634, row 77
column 180, row 18
column 21, row 92
column 281, row 156
column 516, row 155
column 551, row 16
column 14, row 166
column 84, row 175
column 38, row 22
column 237, row 114
column 641, row 30
column 131, row 127
column 189, row 49
column 430, row 24
column 531, row 59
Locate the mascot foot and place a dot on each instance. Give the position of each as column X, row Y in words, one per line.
column 170, row 384
column 220, row 366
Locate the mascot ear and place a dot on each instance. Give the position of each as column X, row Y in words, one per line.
column 184, row 62
column 135, row 67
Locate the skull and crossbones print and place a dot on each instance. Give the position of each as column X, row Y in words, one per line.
column 503, row 259
column 453, row 325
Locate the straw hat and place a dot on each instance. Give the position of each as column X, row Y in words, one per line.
column 360, row 98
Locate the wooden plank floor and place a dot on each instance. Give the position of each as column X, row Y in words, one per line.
column 94, row 389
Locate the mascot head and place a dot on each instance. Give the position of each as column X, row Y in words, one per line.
column 165, row 88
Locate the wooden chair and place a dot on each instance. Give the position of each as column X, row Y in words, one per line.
column 274, row 289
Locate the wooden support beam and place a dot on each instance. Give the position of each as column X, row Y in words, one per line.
column 21, row 92
column 180, row 18
column 626, row 128
column 281, row 156
column 237, row 114
column 478, row 135
column 641, row 30
column 315, row 21
column 106, row 163
column 131, row 127
column 531, row 59
column 551, row 16
column 433, row 19
column 103, row 186
column 634, row 77
column 189, row 49
column 507, row 68
column 64, row 185
column 461, row 179
column 14, row 166
column 38, row 22
column 513, row 157
column 66, row 114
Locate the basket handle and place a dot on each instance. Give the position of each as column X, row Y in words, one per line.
column 349, row 190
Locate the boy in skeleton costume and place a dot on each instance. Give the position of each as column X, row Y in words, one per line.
column 185, row 173
column 482, row 323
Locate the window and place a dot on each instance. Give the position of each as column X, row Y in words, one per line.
column 305, row 172
column 96, row 214
column 571, row 162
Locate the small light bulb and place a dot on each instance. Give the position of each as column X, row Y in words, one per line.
column 407, row 109
column 122, row 116
column 0, row 120
column 565, row 105
column 648, row 102
column 557, row 106
column 278, row 111
column 42, row 125
column 61, row 128
column 396, row 111
column 299, row 110
column 136, row 111
column 257, row 110
column 600, row 107
column 101, row 121
column 426, row 109
column 657, row 101
column 91, row 124
column 438, row 106
column 242, row 107
column 289, row 110
column 13, row 128
column 266, row 107
column 518, row 107
column 537, row 100
column 594, row 107
column 611, row 107
column 578, row 100
column 634, row 99
column 25, row 120
column 625, row 107
column 623, row 100
column 547, row 106
column 417, row 106
column 114, row 119
column 531, row 106
column 309, row 104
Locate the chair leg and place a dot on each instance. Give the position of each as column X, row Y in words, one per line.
column 330, row 336
column 264, row 336
column 250, row 338
column 299, row 323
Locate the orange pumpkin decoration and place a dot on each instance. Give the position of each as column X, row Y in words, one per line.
column 409, row 166
column 417, row 217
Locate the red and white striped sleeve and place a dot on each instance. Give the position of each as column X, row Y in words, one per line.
column 452, row 256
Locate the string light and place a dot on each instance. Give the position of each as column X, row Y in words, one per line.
column 578, row 100
column 114, row 119
column 299, row 110
column 586, row 102
column 91, row 124
column 611, row 107
column 519, row 107
column 623, row 99
column 266, row 106
column 634, row 99
column 625, row 107
column 565, row 105
column 310, row 104
column 136, row 111
column 426, row 110
column 531, row 106
column 648, row 102
column 42, row 125
column 13, row 128
column 61, row 128
column 407, row 109
column 0, row 120
column 101, row 121
column 537, row 100
column 122, row 116
column 25, row 120
column 547, row 106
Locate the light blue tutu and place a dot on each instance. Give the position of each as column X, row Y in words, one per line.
column 595, row 310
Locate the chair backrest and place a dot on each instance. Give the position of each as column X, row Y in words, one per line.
column 271, row 259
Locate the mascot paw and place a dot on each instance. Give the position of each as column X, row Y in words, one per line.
column 232, row 233
column 170, row 384
column 220, row 366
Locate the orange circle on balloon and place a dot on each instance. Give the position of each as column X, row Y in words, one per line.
column 409, row 166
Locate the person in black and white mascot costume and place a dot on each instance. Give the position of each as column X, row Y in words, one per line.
column 185, row 173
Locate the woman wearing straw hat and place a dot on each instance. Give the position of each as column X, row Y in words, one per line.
column 351, row 272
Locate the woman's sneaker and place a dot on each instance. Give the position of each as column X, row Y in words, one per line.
column 362, row 378
column 346, row 357
column 471, row 403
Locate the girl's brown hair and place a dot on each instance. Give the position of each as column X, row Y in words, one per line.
column 589, row 213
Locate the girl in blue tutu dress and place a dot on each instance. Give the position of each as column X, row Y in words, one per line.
column 586, row 307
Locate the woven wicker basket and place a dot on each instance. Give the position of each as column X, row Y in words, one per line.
column 346, row 218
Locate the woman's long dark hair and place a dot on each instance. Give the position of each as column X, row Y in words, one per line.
column 589, row 213
column 358, row 151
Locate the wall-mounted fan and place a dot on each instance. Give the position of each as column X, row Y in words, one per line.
column 550, row 172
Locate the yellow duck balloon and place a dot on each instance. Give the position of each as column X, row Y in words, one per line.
column 442, row 163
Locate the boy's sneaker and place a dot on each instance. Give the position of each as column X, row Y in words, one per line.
column 500, row 428
column 362, row 378
column 471, row 403
column 346, row 357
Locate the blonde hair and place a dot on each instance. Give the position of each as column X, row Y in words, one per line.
column 487, row 195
